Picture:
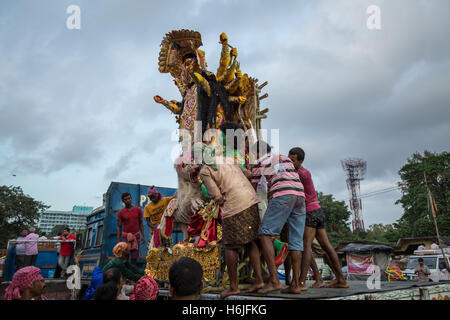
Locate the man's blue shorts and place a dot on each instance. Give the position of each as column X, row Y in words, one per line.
column 290, row 208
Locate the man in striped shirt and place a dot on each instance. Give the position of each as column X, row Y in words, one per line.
column 286, row 204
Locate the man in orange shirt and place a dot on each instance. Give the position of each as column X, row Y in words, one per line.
column 154, row 210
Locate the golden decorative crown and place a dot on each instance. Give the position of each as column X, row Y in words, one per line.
column 175, row 45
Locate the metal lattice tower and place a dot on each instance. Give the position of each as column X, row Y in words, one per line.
column 355, row 169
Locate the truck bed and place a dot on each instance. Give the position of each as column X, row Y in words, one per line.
column 358, row 290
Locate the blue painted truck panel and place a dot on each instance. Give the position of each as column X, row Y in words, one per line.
column 46, row 261
column 101, row 230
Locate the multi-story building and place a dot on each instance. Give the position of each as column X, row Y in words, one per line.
column 75, row 219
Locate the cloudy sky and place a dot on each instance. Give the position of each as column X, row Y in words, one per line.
column 77, row 109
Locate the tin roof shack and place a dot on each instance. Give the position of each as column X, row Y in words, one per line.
column 362, row 258
column 406, row 246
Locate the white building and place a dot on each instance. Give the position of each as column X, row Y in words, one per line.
column 75, row 219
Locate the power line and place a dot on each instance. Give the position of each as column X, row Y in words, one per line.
column 377, row 192
column 398, row 187
column 372, row 193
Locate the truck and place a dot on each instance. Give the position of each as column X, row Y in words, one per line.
column 101, row 227
column 434, row 260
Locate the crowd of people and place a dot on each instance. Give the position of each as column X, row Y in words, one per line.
column 27, row 249
column 185, row 282
column 293, row 208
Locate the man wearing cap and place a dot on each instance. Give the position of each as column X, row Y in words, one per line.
column 121, row 254
column 154, row 210
column 145, row 288
column 27, row 284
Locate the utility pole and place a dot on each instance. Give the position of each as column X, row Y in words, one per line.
column 434, row 213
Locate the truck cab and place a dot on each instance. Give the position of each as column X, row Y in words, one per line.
column 434, row 260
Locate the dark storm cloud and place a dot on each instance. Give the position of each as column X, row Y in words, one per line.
column 83, row 98
column 120, row 166
column 346, row 106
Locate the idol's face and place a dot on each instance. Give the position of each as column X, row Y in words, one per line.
column 191, row 65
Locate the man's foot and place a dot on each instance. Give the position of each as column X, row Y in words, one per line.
column 338, row 284
column 255, row 287
column 331, row 282
column 229, row 292
column 303, row 287
column 318, row 284
column 269, row 287
column 287, row 282
column 295, row 290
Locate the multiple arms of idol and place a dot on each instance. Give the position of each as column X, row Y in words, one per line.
column 228, row 74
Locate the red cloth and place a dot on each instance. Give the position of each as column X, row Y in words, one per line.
column 145, row 289
column 169, row 227
column 132, row 242
column 279, row 259
column 156, row 238
column 67, row 247
column 195, row 225
column 210, row 234
column 130, row 219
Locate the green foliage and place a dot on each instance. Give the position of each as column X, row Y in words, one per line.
column 337, row 216
column 57, row 230
column 17, row 212
column 336, row 213
column 416, row 219
column 382, row 233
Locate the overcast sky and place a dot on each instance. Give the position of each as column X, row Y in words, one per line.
column 77, row 109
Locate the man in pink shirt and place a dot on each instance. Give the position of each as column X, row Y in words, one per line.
column 315, row 225
column 31, row 248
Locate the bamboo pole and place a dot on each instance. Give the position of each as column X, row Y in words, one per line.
column 436, row 226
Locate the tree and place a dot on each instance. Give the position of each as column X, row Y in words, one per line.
column 57, row 230
column 382, row 233
column 337, row 216
column 17, row 212
column 416, row 219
